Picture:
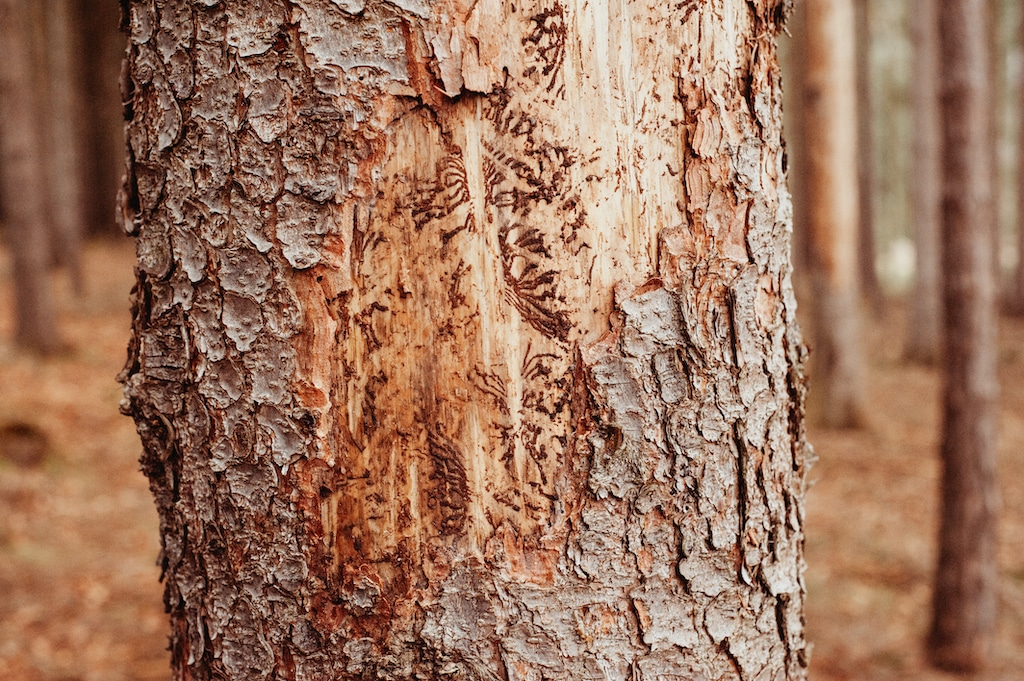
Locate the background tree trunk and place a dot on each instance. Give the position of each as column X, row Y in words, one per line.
column 60, row 104
column 24, row 182
column 965, row 584
column 1016, row 303
column 97, row 23
column 925, row 320
column 792, row 57
column 870, row 286
column 830, row 184
column 465, row 340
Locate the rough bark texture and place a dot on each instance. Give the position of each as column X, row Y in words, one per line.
column 965, row 585
column 464, row 338
column 831, row 185
column 24, row 182
column 924, row 333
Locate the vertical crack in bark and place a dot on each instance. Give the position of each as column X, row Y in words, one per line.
column 782, row 601
column 735, row 661
column 742, row 500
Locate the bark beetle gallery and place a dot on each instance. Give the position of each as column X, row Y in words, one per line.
column 464, row 340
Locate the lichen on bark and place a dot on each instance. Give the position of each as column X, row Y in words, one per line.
column 464, row 338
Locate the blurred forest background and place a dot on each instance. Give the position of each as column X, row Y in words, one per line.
column 78, row 532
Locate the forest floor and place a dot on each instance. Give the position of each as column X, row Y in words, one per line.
column 79, row 593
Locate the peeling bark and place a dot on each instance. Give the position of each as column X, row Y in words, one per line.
column 465, row 340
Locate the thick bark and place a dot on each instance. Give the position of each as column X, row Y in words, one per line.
column 965, row 584
column 24, row 183
column 831, row 185
column 925, row 319
column 464, row 339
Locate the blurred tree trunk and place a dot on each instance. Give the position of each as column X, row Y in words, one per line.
column 98, row 24
column 925, row 318
column 830, row 182
column 1016, row 302
column 1016, row 295
column 964, row 601
column 792, row 57
column 60, row 105
column 866, row 249
column 24, row 181
column 997, row 95
column 474, row 364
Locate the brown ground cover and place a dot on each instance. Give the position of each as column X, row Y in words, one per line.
column 79, row 592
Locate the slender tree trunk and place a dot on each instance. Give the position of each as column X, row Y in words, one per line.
column 925, row 318
column 1016, row 304
column 61, row 137
column 965, row 585
column 464, row 339
column 830, row 114
column 997, row 86
column 103, row 130
column 24, row 182
column 866, row 249
column 792, row 57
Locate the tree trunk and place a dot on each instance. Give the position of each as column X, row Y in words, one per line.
column 925, row 319
column 24, row 183
column 62, row 159
column 870, row 287
column 830, row 180
column 1016, row 302
column 792, row 57
column 965, row 584
column 103, row 133
column 464, row 339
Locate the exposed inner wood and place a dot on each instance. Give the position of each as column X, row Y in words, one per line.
column 466, row 341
